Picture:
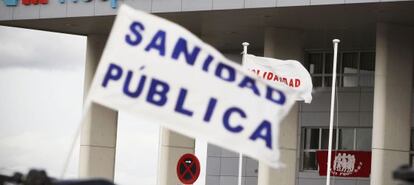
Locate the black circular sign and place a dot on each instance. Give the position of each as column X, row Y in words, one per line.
column 188, row 168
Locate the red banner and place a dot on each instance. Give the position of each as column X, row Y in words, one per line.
column 34, row 2
column 345, row 163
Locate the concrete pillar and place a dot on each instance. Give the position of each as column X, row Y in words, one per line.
column 172, row 147
column 284, row 44
column 98, row 135
column 392, row 101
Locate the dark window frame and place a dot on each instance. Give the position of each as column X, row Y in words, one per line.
column 304, row 150
column 324, row 78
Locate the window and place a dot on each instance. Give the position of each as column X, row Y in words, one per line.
column 314, row 139
column 364, row 136
column 311, row 144
column 346, row 139
column 354, row 69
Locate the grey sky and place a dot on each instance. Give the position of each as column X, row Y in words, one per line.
column 38, row 49
column 41, row 92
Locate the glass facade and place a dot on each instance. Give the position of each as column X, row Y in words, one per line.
column 314, row 139
column 354, row 69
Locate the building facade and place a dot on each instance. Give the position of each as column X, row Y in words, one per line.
column 375, row 69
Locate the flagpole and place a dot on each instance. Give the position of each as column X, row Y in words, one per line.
column 239, row 181
column 328, row 169
column 244, row 44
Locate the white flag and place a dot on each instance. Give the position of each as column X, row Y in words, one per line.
column 290, row 73
column 156, row 69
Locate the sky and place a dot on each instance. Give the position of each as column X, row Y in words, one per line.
column 41, row 94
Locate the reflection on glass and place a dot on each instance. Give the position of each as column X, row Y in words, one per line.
column 309, row 161
column 350, row 63
column 350, row 81
column 354, row 69
column 367, row 61
column 364, row 137
column 317, row 81
column 311, row 138
column 325, row 138
column 328, row 81
column 367, row 80
column 329, row 62
column 315, row 63
column 346, row 139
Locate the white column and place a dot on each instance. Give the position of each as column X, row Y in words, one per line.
column 98, row 135
column 172, row 147
column 284, row 44
column 392, row 101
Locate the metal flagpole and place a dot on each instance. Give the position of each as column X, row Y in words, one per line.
column 245, row 44
column 328, row 169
